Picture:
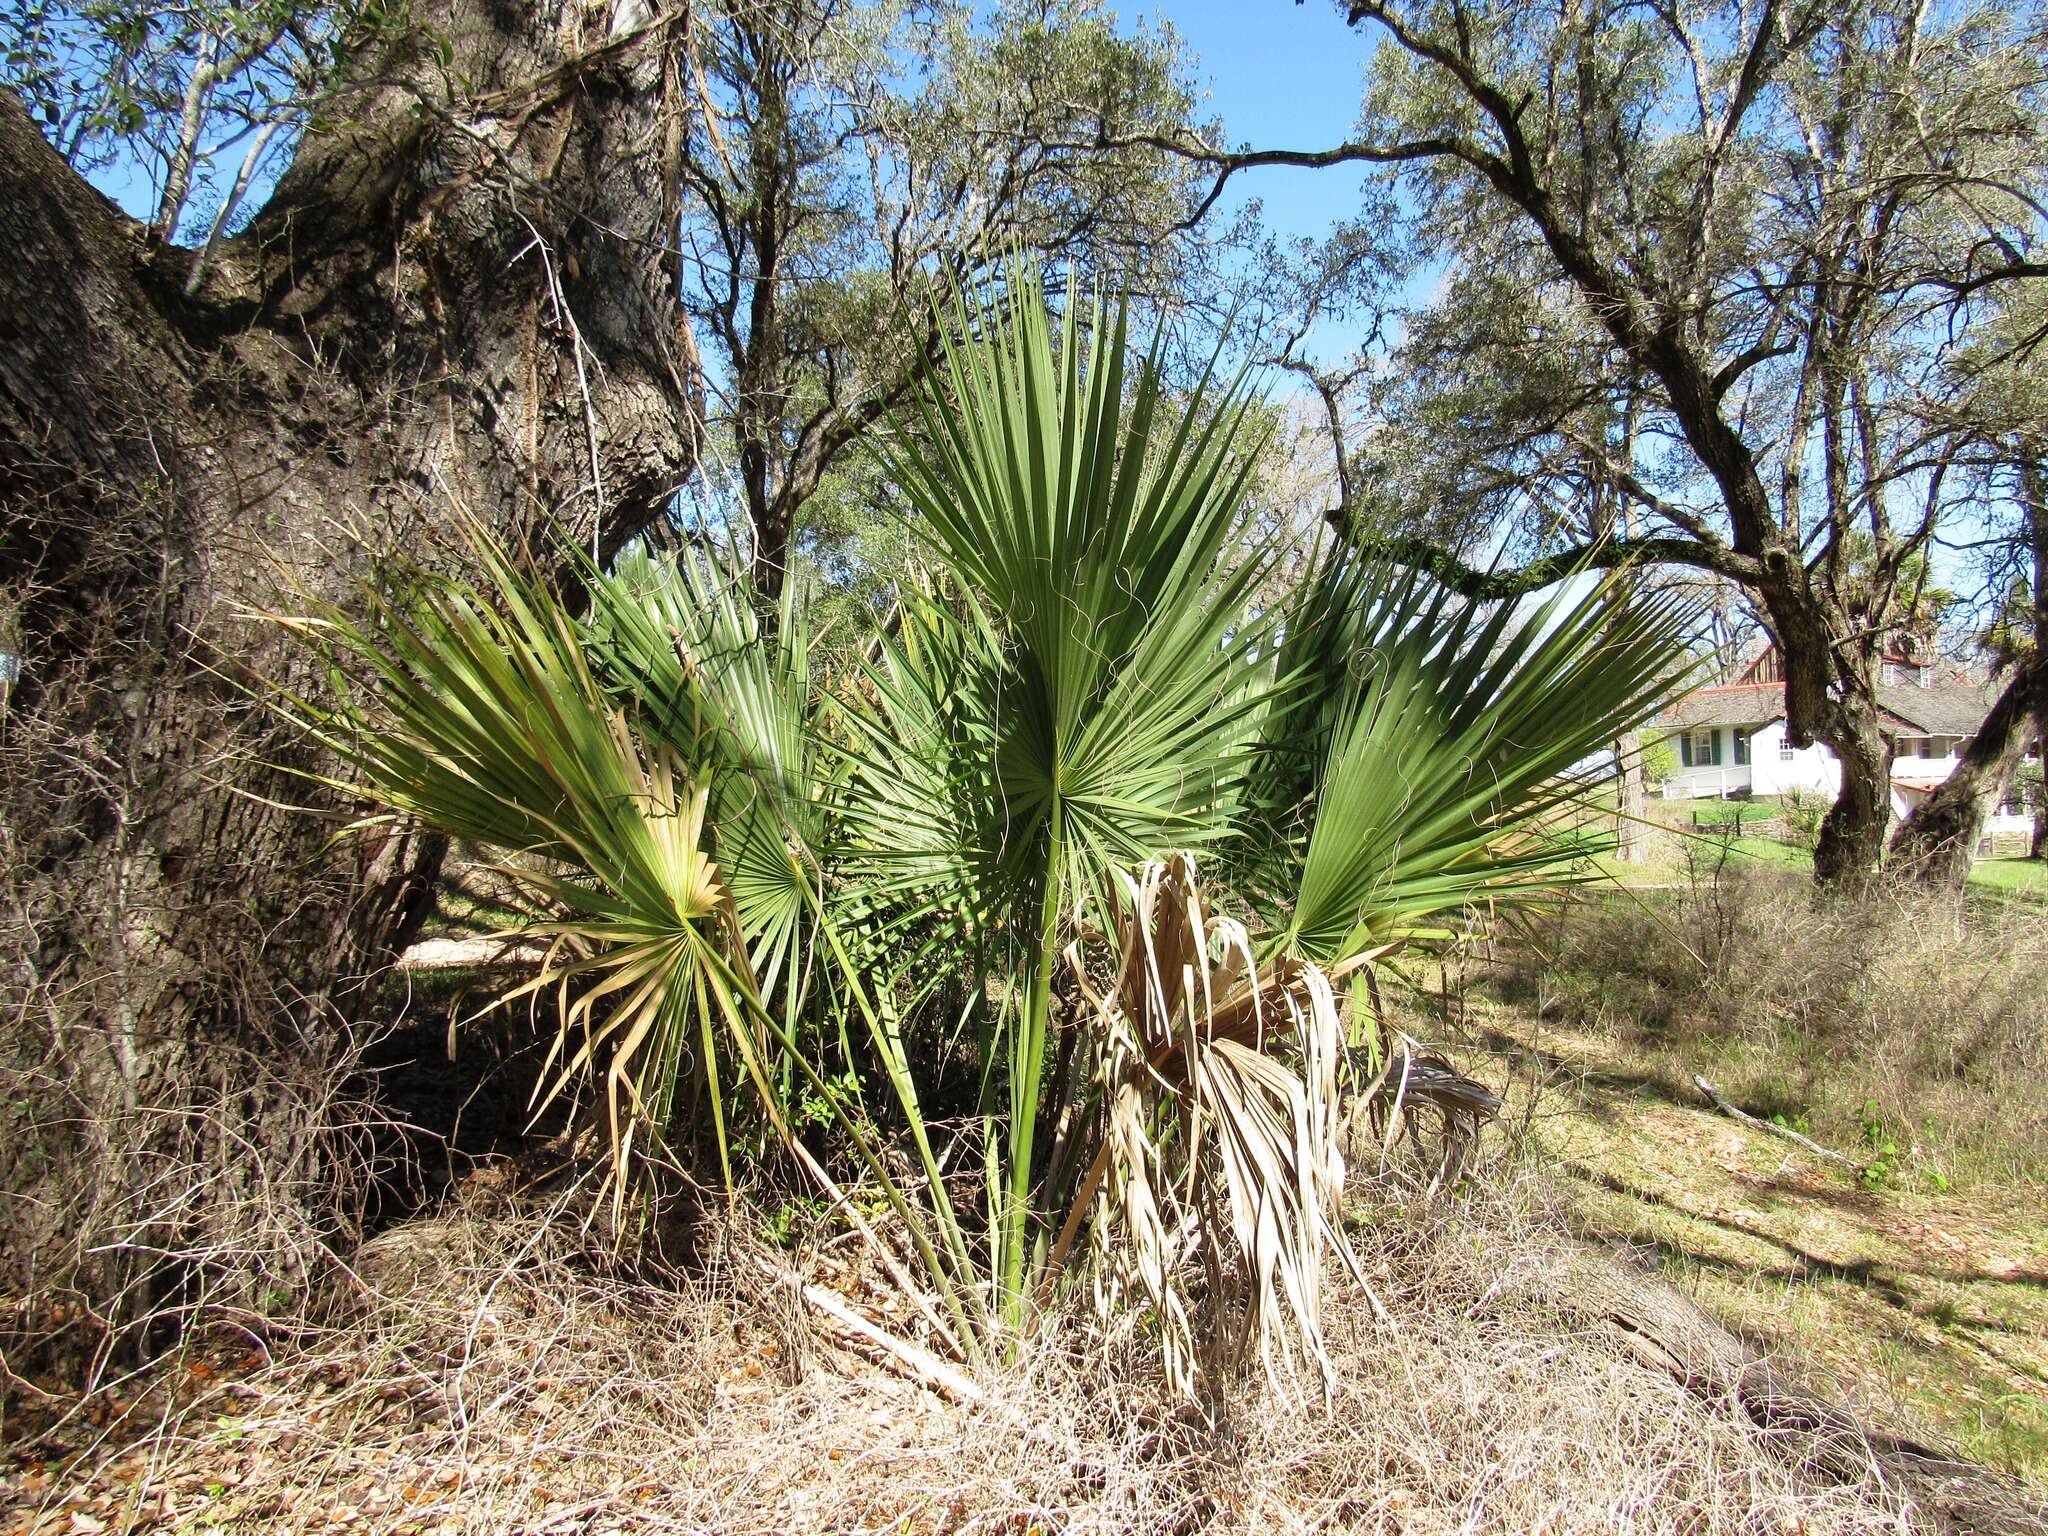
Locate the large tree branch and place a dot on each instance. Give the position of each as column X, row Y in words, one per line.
column 1227, row 164
column 1935, row 843
column 2006, row 272
column 1328, row 390
column 1616, row 301
column 1613, row 554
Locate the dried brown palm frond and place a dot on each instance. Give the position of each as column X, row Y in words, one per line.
column 1218, row 1184
column 1441, row 1110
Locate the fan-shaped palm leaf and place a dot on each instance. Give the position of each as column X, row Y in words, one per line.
column 1454, row 735
column 484, row 719
column 680, row 638
column 1090, row 518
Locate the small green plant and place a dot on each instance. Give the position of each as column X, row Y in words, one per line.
column 1660, row 758
column 822, row 1103
column 1884, row 1152
column 1803, row 813
column 779, row 1227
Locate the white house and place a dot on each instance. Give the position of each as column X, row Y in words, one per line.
column 1731, row 743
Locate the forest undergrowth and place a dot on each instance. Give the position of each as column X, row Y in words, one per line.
column 486, row 1366
column 482, row 1374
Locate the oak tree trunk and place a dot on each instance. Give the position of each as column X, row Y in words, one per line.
column 1853, row 830
column 2035, row 479
column 460, row 295
column 1936, row 844
column 1631, row 837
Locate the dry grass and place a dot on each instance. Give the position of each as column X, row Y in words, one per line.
column 1899, row 1019
column 489, row 1378
column 481, row 1371
column 209, row 1194
column 1907, row 1038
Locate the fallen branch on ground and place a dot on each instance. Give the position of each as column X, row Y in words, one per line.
column 912, row 1362
column 489, row 951
column 1668, row 1332
column 1721, row 1103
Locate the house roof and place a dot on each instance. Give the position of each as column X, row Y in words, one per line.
column 1945, row 709
column 1730, row 704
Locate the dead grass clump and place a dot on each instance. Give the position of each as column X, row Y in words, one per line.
column 212, row 1189
column 1891, row 1019
column 1507, row 1412
column 488, row 1377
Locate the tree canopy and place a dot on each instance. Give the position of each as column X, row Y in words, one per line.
column 1719, row 324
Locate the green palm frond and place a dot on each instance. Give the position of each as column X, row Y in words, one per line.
column 680, row 640
column 1090, row 517
column 1452, row 741
column 484, row 718
column 924, row 824
column 1090, row 514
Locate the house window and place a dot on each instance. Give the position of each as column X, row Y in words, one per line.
column 1741, row 746
column 1786, row 751
column 1705, row 749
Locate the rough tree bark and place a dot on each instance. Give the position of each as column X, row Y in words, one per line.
column 460, row 294
column 2035, row 479
column 1935, row 845
column 1631, row 841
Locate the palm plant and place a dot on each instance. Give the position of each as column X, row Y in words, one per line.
column 1375, row 759
column 1092, row 542
column 1075, row 700
column 483, row 717
column 679, row 641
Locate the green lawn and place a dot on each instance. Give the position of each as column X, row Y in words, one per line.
column 2015, row 877
column 1731, row 813
column 2025, row 879
column 1768, row 850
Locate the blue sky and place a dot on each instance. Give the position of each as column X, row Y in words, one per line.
column 1281, row 76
